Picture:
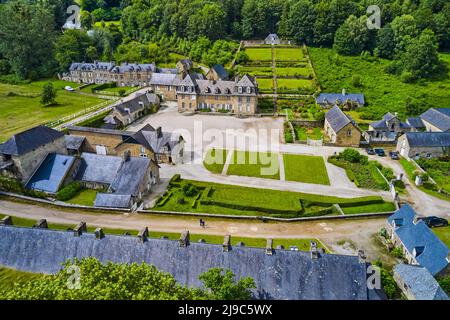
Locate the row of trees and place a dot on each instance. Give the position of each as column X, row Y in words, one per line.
column 112, row 281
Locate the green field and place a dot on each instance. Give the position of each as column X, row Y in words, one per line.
column 308, row 169
column 444, row 234
column 20, row 106
column 259, row 54
column 379, row 207
column 9, row 277
column 383, row 92
column 85, row 197
column 256, row 71
column 254, row 164
column 265, row 84
column 293, row 85
column 217, row 198
column 293, row 72
column 215, row 160
column 289, row 54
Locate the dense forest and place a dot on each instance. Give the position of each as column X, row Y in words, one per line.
column 33, row 43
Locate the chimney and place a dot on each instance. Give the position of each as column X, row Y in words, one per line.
column 313, row 250
column 361, row 256
column 126, row 156
column 41, row 224
column 184, row 239
column 6, row 221
column 269, row 247
column 159, row 132
column 99, row 234
column 143, row 235
column 226, row 246
column 343, row 92
column 80, row 228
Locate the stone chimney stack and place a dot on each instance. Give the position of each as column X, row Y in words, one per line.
column 143, row 235
column 99, row 234
column 79, row 229
column 269, row 247
column 226, row 243
column 6, row 221
column 41, row 224
column 184, row 239
column 313, row 250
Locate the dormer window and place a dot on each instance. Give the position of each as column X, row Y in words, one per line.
column 249, row 90
column 207, row 89
column 182, row 88
column 217, row 90
column 228, row 90
column 240, row 89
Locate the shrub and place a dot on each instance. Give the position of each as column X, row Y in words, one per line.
column 69, row 191
column 397, row 253
column 189, row 189
column 350, row 155
column 399, row 184
column 122, row 92
column 429, row 186
column 181, row 200
column 175, row 178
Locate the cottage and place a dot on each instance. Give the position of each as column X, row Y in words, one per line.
column 387, row 129
column 217, row 72
column 272, row 39
column 127, row 112
column 424, row 144
column 341, row 129
column 416, row 124
column 239, row 96
column 419, row 244
column 23, row 152
column 436, row 119
column 417, row 283
column 326, row 100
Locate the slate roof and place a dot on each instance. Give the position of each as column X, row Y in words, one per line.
column 125, row 134
column 428, row 139
column 155, row 140
column 166, row 79
column 74, row 142
column 221, row 72
column 111, row 200
column 138, row 103
column 420, row 282
column 438, row 117
column 130, row 176
column 51, row 173
column 418, row 236
column 337, row 118
column 334, row 98
column 98, row 168
column 246, row 81
column 26, row 141
column 415, row 122
column 283, row 275
column 383, row 123
column 221, row 87
column 133, row 67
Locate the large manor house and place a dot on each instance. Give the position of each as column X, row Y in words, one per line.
column 192, row 90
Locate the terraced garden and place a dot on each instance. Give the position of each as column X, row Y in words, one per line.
column 205, row 197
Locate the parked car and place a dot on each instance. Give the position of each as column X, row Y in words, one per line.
column 394, row 155
column 380, row 152
column 370, row 151
column 433, row 221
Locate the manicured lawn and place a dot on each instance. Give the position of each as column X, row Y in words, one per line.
column 259, row 54
column 293, row 72
column 85, row 197
column 9, row 277
column 254, row 164
column 294, row 85
column 308, row 169
column 378, row 207
column 20, row 106
column 444, row 234
column 383, row 92
column 215, row 160
column 289, row 54
column 265, row 84
column 256, row 71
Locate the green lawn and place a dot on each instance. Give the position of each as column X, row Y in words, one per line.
column 378, row 207
column 444, row 234
column 9, row 277
column 265, row 84
column 259, row 54
column 293, row 72
column 289, row 54
column 254, row 164
column 383, row 92
column 20, row 106
column 255, row 71
column 294, row 85
column 215, row 160
column 85, row 197
column 308, row 169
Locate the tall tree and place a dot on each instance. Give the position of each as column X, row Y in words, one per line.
column 72, row 46
column 385, row 43
column 48, row 94
column 405, row 29
column 352, row 36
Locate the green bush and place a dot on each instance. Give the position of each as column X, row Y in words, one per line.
column 175, row 178
column 69, row 191
column 350, row 155
column 189, row 189
column 233, row 205
column 444, row 282
column 397, row 253
column 429, row 186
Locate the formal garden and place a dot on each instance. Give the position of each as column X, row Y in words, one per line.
column 213, row 198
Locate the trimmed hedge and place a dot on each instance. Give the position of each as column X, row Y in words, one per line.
column 164, row 198
column 15, row 186
column 233, row 205
column 69, row 191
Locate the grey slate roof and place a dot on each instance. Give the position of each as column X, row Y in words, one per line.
column 125, row 134
column 130, row 176
column 221, row 72
column 428, row 139
column 418, row 236
column 337, row 118
column 415, row 122
column 155, row 140
column 383, row 123
column 166, row 79
column 25, row 141
column 246, row 81
column 98, row 168
column 133, row 67
column 283, row 275
column 138, row 103
column 438, row 117
column 74, row 142
column 111, row 200
column 334, row 98
column 420, row 282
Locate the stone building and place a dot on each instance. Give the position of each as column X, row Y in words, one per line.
column 424, row 144
column 436, row 119
column 239, row 96
column 352, row 100
column 386, row 130
column 217, row 72
column 23, row 152
column 341, row 129
column 272, row 39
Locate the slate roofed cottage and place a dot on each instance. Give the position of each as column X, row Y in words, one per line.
column 424, row 144
column 341, row 129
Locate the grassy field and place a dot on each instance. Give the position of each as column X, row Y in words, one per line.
column 85, row 197
column 259, row 54
column 289, row 54
column 383, row 92
column 9, row 277
column 265, row 84
column 215, row 160
column 379, row 207
column 308, row 169
column 444, row 234
column 256, row 71
column 289, row 85
column 20, row 106
column 293, row 72
column 253, row 164
column 303, row 133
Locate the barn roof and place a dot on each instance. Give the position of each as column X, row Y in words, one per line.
column 428, row 139
column 438, row 117
column 337, row 118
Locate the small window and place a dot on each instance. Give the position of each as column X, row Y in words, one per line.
column 249, row 90
column 428, row 155
column 240, row 89
column 349, row 133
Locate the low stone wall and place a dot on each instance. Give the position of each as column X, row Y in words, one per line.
column 307, row 123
